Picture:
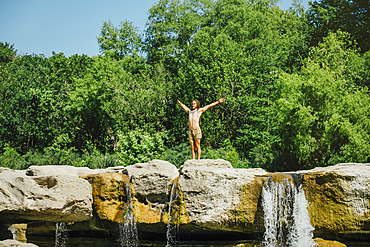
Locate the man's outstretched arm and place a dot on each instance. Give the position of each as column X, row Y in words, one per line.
column 183, row 106
column 213, row 104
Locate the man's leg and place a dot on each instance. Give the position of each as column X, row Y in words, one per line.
column 192, row 149
column 197, row 144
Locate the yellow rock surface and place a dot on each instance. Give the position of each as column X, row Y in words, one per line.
column 327, row 243
column 109, row 194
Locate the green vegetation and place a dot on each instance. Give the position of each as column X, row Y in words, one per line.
column 295, row 82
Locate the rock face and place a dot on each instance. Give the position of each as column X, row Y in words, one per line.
column 151, row 181
column 214, row 194
column 110, row 195
column 47, row 198
column 207, row 198
column 339, row 197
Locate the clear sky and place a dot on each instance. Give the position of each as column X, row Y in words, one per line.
column 70, row 26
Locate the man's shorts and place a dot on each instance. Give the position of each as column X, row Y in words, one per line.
column 195, row 134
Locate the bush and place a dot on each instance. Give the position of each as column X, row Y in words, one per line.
column 12, row 159
column 177, row 155
column 139, row 146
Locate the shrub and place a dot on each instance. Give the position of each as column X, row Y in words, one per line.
column 139, row 146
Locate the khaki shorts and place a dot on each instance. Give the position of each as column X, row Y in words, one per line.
column 195, row 134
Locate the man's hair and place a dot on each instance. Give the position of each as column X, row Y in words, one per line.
column 196, row 101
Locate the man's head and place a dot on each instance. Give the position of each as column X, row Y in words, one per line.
column 195, row 104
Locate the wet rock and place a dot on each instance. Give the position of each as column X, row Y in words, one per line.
column 110, row 194
column 151, row 181
column 338, row 197
column 19, row 232
column 328, row 243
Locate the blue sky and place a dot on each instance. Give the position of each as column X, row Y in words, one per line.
column 69, row 26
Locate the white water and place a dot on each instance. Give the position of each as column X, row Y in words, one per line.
column 171, row 228
column 128, row 235
column 286, row 219
column 60, row 234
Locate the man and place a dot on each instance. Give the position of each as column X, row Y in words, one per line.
column 195, row 134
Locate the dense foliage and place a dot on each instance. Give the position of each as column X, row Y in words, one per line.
column 295, row 82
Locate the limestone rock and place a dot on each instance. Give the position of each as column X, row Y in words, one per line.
column 328, row 243
column 339, row 197
column 215, row 194
column 47, row 198
column 151, row 181
column 55, row 170
column 110, row 195
column 19, row 232
column 15, row 243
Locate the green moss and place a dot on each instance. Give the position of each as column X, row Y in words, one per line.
column 178, row 208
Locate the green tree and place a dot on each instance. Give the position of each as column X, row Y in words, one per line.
column 352, row 16
column 7, row 53
column 323, row 116
column 237, row 53
column 171, row 27
column 118, row 42
column 33, row 97
column 111, row 99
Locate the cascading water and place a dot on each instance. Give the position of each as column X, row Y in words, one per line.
column 171, row 228
column 128, row 230
column 286, row 218
column 61, row 234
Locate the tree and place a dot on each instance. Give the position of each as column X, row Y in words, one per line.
column 237, row 53
column 117, row 42
column 111, row 99
column 171, row 27
column 352, row 16
column 33, row 95
column 7, row 53
column 323, row 115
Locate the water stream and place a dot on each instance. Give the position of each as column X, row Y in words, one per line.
column 61, row 237
column 286, row 219
column 171, row 227
column 128, row 235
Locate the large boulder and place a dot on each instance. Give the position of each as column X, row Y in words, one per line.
column 110, row 193
column 55, row 170
column 338, row 197
column 151, row 181
column 43, row 198
column 218, row 196
column 15, row 243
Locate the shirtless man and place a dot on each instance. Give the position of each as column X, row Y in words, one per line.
column 195, row 134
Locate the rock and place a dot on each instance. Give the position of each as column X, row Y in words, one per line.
column 215, row 194
column 151, row 181
column 110, row 195
column 19, row 232
column 338, row 197
column 327, row 243
column 15, row 243
column 46, row 198
column 55, row 170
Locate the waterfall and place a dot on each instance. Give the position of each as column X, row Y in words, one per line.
column 286, row 219
column 61, row 234
column 171, row 228
column 128, row 235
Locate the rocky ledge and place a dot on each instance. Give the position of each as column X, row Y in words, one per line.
column 209, row 199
